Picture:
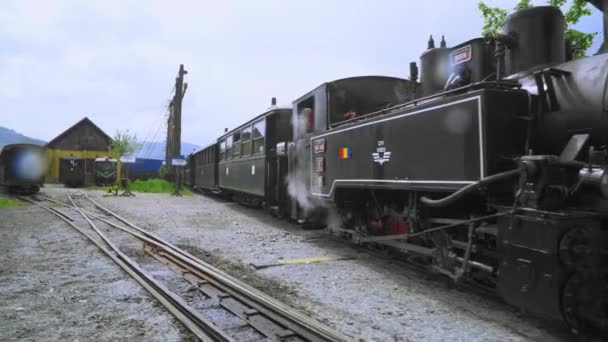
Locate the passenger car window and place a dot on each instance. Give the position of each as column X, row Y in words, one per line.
column 228, row 147
column 236, row 144
column 259, row 131
column 246, row 141
column 222, row 154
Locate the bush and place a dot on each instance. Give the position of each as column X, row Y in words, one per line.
column 155, row 185
column 163, row 173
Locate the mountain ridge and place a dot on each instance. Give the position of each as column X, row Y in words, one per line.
column 156, row 150
column 149, row 149
column 10, row 136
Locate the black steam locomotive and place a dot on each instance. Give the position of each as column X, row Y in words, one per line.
column 491, row 169
column 22, row 168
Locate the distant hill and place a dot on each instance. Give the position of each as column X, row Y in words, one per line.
column 156, row 150
column 9, row 136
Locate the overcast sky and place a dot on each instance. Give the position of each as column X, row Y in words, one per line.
column 116, row 61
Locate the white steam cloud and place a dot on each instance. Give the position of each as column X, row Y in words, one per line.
column 298, row 177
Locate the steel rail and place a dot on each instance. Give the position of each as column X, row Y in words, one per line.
column 209, row 328
column 303, row 325
column 158, row 291
column 160, row 254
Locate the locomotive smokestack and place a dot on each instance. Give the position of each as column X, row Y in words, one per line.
column 273, row 102
column 225, row 130
column 443, row 43
column 413, row 72
column 431, row 44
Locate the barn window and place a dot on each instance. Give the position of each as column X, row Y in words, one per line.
column 246, row 141
column 259, row 131
column 236, row 145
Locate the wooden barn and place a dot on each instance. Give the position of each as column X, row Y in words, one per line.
column 83, row 140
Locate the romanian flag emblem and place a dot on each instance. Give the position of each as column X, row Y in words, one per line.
column 345, row 153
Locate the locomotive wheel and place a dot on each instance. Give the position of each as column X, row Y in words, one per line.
column 584, row 303
column 573, row 247
column 570, row 303
column 25, row 191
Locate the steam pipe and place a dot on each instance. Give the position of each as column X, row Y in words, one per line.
column 469, row 189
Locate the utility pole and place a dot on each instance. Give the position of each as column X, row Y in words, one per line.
column 174, row 123
column 180, row 91
column 168, row 148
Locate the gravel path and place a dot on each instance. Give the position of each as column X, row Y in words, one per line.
column 369, row 297
column 56, row 286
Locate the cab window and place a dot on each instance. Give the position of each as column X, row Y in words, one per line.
column 306, row 115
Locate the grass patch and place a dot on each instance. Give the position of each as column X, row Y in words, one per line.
column 6, row 202
column 157, row 186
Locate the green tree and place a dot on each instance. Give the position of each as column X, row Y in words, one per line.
column 580, row 42
column 124, row 143
column 493, row 18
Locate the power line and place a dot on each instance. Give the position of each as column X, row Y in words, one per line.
column 147, row 146
column 150, row 150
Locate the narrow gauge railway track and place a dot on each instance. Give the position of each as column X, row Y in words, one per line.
column 268, row 318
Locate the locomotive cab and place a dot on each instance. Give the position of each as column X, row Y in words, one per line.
column 330, row 105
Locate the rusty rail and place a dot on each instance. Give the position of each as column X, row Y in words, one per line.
column 185, row 314
column 295, row 322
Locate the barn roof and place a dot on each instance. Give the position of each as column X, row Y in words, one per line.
column 84, row 121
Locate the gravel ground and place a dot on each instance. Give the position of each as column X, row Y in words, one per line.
column 56, row 286
column 367, row 296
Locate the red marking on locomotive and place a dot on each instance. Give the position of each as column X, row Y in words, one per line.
column 464, row 54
